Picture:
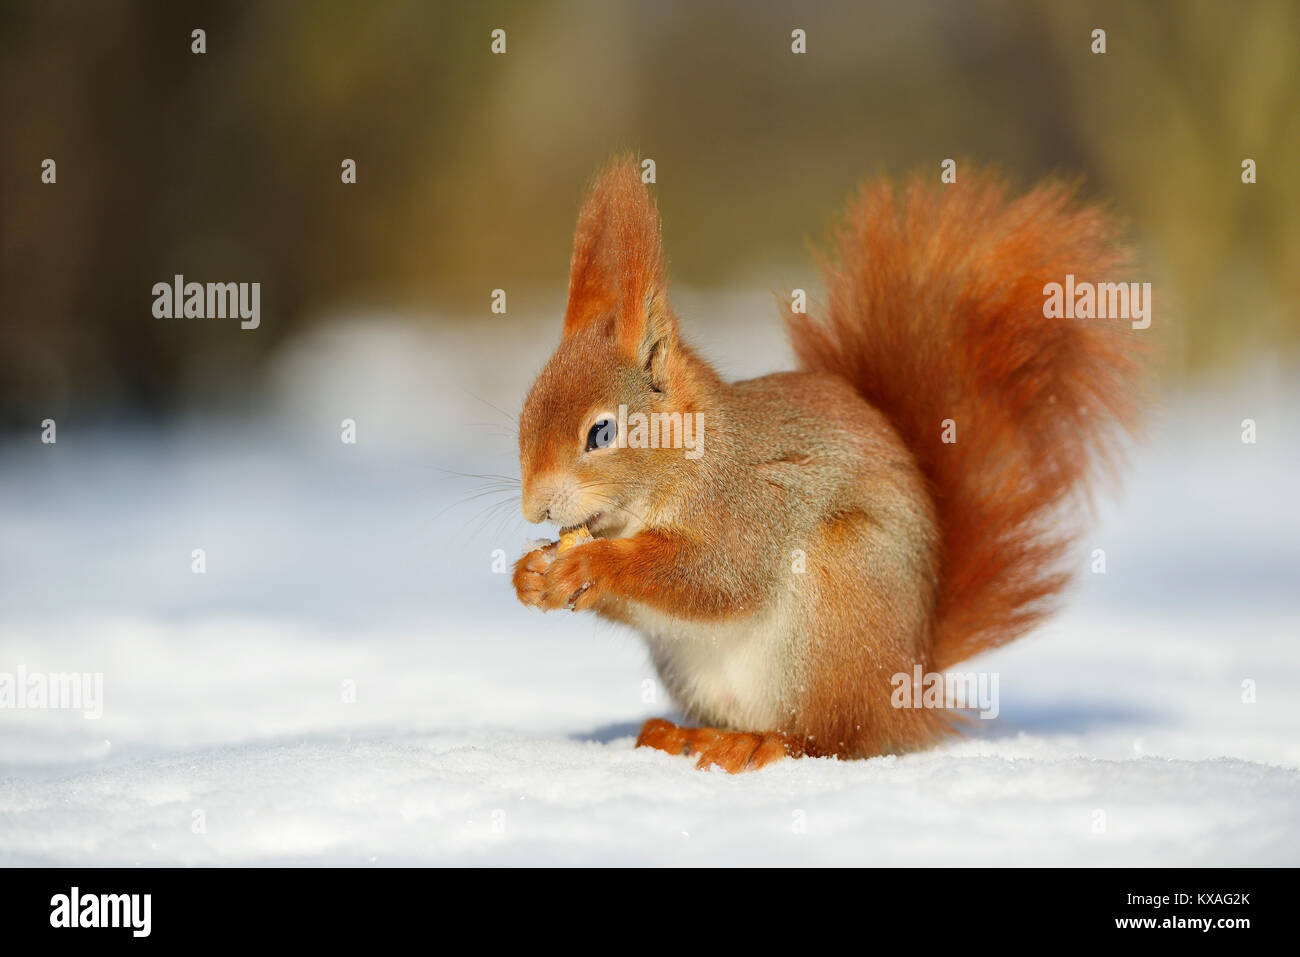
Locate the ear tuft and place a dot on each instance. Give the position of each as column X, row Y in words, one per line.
column 618, row 264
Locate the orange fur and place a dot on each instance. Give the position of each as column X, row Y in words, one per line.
column 733, row 751
column 918, row 552
column 936, row 312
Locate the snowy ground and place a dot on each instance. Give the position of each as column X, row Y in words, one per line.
column 482, row 732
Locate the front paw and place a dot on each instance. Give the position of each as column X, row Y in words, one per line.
column 575, row 579
column 530, row 574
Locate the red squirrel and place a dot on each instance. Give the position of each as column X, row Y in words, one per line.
column 895, row 502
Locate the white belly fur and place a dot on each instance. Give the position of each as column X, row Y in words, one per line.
column 738, row 673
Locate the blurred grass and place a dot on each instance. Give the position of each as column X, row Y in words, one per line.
column 226, row 166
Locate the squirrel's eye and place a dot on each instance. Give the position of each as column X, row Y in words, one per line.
column 603, row 433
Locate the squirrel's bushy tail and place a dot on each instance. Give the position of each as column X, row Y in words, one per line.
column 935, row 313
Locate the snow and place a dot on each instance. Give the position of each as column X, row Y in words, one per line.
column 485, row 733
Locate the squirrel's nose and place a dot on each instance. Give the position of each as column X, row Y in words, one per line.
column 536, row 504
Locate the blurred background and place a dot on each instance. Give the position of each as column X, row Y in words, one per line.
column 376, row 297
column 226, row 166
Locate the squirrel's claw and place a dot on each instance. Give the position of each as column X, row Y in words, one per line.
column 530, row 574
column 571, row 580
column 733, row 751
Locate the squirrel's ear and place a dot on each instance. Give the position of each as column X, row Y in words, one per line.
column 648, row 335
column 618, row 267
column 592, row 287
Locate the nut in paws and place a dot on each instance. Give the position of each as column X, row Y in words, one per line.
column 573, row 580
column 530, row 574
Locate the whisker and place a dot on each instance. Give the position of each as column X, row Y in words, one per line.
column 473, row 497
column 496, row 408
column 452, row 473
